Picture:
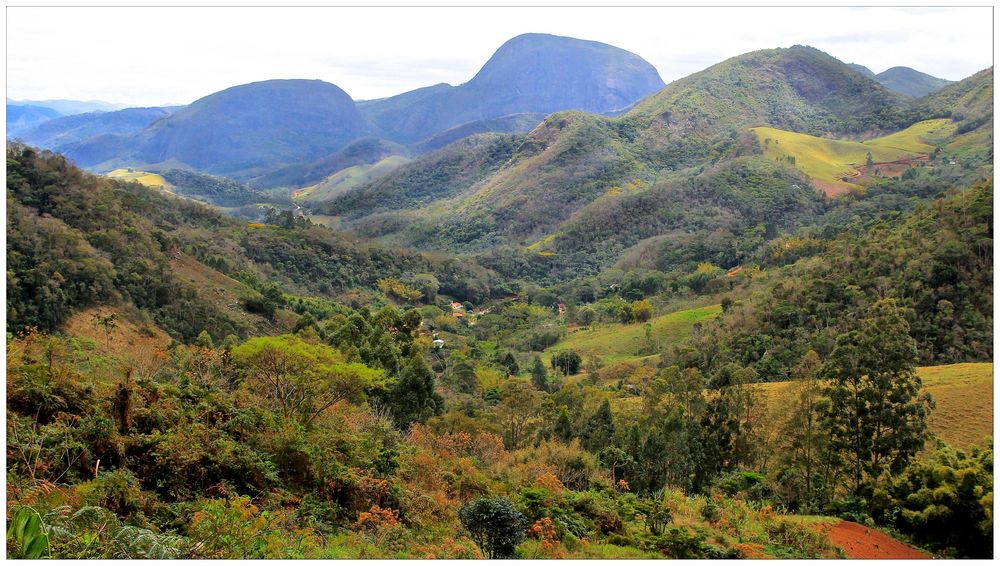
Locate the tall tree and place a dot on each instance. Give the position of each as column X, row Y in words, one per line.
column 539, row 375
column 413, row 398
column 804, row 439
column 599, row 430
column 877, row 416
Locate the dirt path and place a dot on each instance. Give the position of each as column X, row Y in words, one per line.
column 859, row 541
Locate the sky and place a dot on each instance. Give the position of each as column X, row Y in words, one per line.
column 146, row 56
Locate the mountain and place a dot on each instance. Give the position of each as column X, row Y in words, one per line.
column 70, row 107
column 24, row 117
column 60, row 132
column 968, row 102
column 910, row 81
column 243, row 131
column 360, row 152
column 512, row 124
column 574, row 158
column 862, row 69
column 535, row 73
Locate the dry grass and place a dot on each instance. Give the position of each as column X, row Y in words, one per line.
column 142, row 177
column 963, row 394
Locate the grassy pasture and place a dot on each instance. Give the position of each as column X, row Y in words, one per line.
column 963, row 394
column 824, row 160
column 143, row 177
column 620, row 342
column 921, row 137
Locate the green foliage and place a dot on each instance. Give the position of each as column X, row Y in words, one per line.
column 876, row 416
column 812, row 302
column 413, row 398
column 567, row 361
column 944, row 501
column 216, row 190
column 301, row 379
column 539, row 375
column 495, row 525
column 27, row 536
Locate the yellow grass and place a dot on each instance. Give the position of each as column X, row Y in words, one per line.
column 921, row 137
column 963, row 394
column 822, row 159
column 346, row 179
column 143, row 177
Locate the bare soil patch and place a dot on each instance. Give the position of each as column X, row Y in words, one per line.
column 859, row 541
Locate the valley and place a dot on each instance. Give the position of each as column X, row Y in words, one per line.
column 561, row 310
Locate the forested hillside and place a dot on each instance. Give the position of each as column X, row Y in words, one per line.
column 749, row 317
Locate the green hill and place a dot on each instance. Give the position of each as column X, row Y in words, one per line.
column 574, row 161
column 346, row 179
column 115, row 243
column 910, row 81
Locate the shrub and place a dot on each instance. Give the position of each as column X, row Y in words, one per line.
column 495, row 526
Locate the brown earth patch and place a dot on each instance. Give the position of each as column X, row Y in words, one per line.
column 859, row 541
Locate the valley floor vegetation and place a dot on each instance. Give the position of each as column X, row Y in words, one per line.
column 181, row 384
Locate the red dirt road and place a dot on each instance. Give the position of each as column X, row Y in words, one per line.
column 859, row 541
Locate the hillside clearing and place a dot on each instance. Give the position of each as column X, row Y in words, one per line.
column 824, row 160
column 963, row 394
column 145, row 178
column 621, row 342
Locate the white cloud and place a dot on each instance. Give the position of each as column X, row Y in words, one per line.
column 145, row 56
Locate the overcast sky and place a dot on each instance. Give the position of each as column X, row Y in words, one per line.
column 151, row 56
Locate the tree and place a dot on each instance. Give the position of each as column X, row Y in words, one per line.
column 463, row 375
column 803, row 437
column 585, row 316
column 876, row 416
column 563, row 428
column 944, row 500
column 642, row 311
column 599, row 430
column 868, row 159
column 204, row 340
column 301, row 379
column 509, row 363
column 495, row 526
column 567, row 361
column 413, row 398
column 108, row 322
column 428, row 285
column 517, row 412
column 539, row 376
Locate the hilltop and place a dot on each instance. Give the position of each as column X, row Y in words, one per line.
column 531, row 73
column 573, row 158
column 240, row 132
column 910, row 81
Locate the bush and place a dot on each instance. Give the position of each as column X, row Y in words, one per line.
column 495, row 525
